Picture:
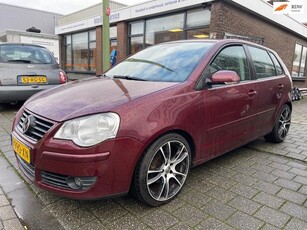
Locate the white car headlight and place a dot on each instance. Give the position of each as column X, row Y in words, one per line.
column 90, row 130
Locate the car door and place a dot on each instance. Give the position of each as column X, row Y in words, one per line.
column 271, row 81
column 229, row 108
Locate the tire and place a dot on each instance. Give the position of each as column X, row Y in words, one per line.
column 281, row 127
column 162, row 170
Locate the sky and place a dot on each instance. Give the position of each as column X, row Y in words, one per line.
column 70, row 6
column 62, row 6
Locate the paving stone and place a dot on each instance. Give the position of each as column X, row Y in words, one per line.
column 181, row 226
column 280, row 166
column 243, row 221
column 127, row 222
column 12, row 224
column 272, row 216
column 297, row 165
column 94, row 225
column 63, row 206
column 202, row 186
column 269, row 200
column 283, row 174
column 296, row 224
column 108, row 211
column 303, row 190
column 75, row 218
column 221, row 194
column 221, row 171
column 265, row 176
column 279, row 160
column 221, row 181
column 296, row 155
column 7, row 213
column 292, row 196
column 295, row 210
column 159, row 219
column 3, row 201
column 190, row 215
column 212, row 223
column 244, row 205
column 267, row 187
column 218, row 210
column 244, row 169
column 288, row 184
column 300, row 179
column 262, row 168
column 195, row 198
column 244, row 190
column 244, row 179
column 269, row 227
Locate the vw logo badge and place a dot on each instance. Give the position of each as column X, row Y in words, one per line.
column 26, row 123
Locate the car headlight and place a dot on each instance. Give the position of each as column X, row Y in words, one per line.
column 90, row 130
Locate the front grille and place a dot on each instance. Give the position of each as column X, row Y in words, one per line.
column 55, row 180
column 37, row 130
column 67, row 182
column 28, row 169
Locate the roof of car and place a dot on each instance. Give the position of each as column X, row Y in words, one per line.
column 21, row 44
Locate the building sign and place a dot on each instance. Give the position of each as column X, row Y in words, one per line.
column 293, row 7
column 140, row 10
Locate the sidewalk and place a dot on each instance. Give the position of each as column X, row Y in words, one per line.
column 8, row 218
column 258, row 186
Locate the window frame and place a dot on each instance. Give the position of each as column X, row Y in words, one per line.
column 300, row 63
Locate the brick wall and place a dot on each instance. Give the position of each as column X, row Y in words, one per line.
column 226, row 18
column 122, row 40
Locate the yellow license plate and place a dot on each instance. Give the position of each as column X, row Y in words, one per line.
column 33, row 80
column 22, row 150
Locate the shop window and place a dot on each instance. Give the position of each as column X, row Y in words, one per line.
column 80, row 51
column 299, row 61
column 192, row 24
column 164, row 29
column 136, row 36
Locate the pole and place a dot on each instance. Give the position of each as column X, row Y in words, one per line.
column 105, row 35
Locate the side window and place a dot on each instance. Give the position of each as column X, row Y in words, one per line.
column 230, row 58
column 279, row 70
column 264, row 66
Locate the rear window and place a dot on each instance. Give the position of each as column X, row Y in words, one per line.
column 15, row 53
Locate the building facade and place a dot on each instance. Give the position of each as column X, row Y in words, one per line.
column 136, row 27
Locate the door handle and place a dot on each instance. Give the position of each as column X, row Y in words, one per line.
column 280, row 86
column 252, row 93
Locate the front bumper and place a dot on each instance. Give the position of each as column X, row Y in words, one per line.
column 105, row 169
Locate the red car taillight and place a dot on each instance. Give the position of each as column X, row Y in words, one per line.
column 62, row 77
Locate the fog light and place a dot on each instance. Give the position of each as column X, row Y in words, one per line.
column 80, row 183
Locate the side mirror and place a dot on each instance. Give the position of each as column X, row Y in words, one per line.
column 225, row 77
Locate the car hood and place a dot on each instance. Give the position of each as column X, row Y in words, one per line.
column 89, row 96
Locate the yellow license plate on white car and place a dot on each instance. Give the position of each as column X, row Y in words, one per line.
column 33, row 80
column 23, row 151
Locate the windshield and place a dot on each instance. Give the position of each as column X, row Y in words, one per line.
column 166, row 62
column 15, row 53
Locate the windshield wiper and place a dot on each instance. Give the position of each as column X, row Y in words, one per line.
column 127, row 77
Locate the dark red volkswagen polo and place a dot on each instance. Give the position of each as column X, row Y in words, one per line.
column 149, row 119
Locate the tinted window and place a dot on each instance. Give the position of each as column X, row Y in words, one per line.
column 279, row 70
column 167, row 62
column 231, row 58
column 264, row 66
column 15, row 53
